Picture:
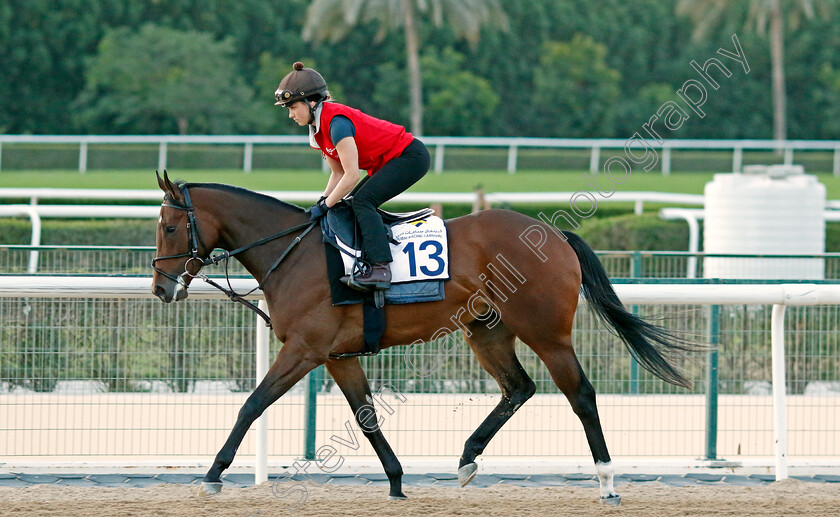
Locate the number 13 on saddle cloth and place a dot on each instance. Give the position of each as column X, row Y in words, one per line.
column 421, row 252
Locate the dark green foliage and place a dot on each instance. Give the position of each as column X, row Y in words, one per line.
column 575, row 88
column 45, row 48
column 90, row 232
column 632, row 232
column 610, row 229
column 160, row 80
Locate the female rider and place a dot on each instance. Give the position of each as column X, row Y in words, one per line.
column 351, row 140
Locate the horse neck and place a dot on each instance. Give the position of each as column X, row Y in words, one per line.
column 241, row 220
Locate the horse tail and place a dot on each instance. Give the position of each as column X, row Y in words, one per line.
column 652, row 346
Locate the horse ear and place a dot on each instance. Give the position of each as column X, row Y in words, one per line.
column 167, row 186
column 161, row 184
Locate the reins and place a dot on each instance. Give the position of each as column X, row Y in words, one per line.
column 192, row 232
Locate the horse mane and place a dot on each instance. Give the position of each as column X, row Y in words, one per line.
column 254, row 196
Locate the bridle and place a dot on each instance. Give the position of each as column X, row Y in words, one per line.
column 192, row 236
column 193, row 240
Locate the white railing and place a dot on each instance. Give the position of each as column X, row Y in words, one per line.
column 36, row 195
column 778, row 295
column 35, row 211
column 595, row 145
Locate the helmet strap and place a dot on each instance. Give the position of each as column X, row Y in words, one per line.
column 312, row 110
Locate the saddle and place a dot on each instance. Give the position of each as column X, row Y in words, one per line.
column 420, row 251
column 340, row 221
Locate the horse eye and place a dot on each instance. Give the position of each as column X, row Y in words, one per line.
column 170, row 229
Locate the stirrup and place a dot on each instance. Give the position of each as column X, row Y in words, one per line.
column 348, row 281
column 378, row 287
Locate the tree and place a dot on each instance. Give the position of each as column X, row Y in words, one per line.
column 458, row 102
column 159, row 79
column 828, row 96
column 333, row 19
column 707, row 14
column 42, row 47
column 575, row 89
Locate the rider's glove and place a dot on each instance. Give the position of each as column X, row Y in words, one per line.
column 318, row 210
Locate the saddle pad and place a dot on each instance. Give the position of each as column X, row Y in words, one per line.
column 411, row 292
column 422, row 252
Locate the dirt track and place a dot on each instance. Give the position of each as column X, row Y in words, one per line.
column 789, row 497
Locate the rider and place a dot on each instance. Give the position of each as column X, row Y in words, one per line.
column 351, row 140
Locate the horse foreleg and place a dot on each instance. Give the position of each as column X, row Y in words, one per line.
column 495, row 352
column 289, row 367
column 350, row 377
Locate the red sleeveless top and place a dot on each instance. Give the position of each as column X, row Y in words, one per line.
column 378, row 141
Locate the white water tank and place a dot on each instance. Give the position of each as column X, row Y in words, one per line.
column 770, row 210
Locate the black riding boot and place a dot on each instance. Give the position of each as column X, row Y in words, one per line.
column 377, row 277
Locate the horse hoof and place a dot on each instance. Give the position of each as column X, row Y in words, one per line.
column 209, row 488
column 400, row 497
column 613, row 500
column 467, row 473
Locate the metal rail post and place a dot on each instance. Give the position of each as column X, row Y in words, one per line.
column 262, row 338
column 635, row 272
column 777, row 331
column 313, row 384
column 713, row 326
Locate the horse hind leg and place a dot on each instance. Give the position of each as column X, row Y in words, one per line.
column 568, row 375
column 494, row 349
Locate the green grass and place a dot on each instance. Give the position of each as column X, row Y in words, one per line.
column 448, row 181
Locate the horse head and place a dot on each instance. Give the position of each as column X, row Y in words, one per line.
column 180, row 252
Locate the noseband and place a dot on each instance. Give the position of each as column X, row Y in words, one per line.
column 192, row 236
column 193, row 239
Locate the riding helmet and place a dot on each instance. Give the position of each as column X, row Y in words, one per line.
column 299, row 84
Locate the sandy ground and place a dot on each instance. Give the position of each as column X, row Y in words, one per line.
column 789, row 497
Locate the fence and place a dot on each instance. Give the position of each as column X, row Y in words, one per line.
column 94, row 367
column 135, row 260
column 250, row 152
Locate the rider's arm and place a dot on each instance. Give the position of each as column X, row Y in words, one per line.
column 349, row 156
column 342, row 133
column 336, row 172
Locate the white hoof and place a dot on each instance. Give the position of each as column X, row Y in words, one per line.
column 467, row 473
column 397, row 498
column 209, row 488
column 613, row 500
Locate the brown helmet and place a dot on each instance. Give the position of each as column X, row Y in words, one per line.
column 299, row 84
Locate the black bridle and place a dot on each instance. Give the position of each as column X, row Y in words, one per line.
column 193, row 238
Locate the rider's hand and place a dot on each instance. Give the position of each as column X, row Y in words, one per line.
column 318, row 210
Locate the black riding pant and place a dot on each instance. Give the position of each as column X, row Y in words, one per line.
column 392, row 179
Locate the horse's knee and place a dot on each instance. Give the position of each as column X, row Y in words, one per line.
column 250, row 410
column 518, row 395
column 530, row 389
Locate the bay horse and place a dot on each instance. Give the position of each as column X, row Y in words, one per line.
column 533, row 299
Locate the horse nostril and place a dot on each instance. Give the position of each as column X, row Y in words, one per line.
column 160, row 292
